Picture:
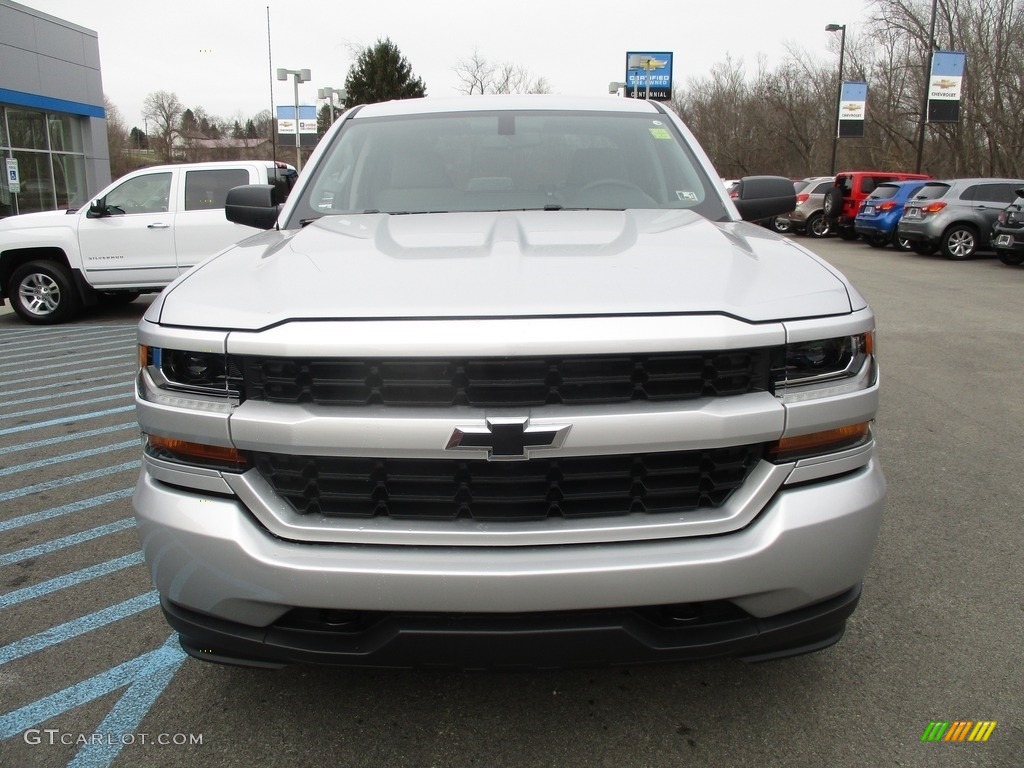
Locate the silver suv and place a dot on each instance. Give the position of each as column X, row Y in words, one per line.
column 808, row 216
column 508, row 382
column 955, row 215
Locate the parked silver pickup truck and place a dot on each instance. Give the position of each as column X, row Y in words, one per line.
column 508, row 382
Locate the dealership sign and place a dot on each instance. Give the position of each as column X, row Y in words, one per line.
column 286, row 126
column 649, row 75
column 853, row 102
column 944, row 86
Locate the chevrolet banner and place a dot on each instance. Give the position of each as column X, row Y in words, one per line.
column 853, row 102
column 944, row 86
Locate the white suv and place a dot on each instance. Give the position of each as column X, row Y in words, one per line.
column 136, row 236
column 508, row 382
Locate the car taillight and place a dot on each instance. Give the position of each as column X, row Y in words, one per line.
column 933, row 207
column 803, row 197
column 886, row 206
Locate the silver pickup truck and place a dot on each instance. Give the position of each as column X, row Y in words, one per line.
column 508, row 382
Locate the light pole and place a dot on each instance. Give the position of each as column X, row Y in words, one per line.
column 927, row 86
column 839, row 96
column 328, row 94
column 301, row 76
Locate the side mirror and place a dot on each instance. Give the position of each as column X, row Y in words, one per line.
column 98, row 209
column 761, row 197
column 253, row 205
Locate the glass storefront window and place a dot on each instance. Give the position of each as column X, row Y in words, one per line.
column 27, row 128
column 36, row 182
column 69, row 181
column 51, row 160
column 65, row 133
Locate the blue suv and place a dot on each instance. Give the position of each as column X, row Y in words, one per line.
column 880, row 213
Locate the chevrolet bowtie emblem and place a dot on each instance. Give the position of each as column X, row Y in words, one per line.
column 507, row 439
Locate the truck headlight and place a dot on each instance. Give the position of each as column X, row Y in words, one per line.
column 826, row 367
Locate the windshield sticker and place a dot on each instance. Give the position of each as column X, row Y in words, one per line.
column 660, row 133
column 689, row 197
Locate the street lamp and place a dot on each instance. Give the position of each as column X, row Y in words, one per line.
column 301, row 76
column 613, row 87
column 328, row 94
column 839, row 97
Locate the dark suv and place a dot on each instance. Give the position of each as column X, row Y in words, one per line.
column 852, row 188
column 956, row 215
column 1008, row 232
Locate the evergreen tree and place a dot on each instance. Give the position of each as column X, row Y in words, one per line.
column 381, row 73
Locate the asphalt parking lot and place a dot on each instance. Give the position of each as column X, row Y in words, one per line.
column 90, row 674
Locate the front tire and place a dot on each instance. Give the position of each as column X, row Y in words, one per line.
column 877, row 241
column 959, row 242
column 781, row 225
column 43, row 293
column 1011, row 258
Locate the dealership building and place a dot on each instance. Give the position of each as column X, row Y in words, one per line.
column 53, row 129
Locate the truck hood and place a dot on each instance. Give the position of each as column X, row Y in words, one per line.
column 505, row 264
column 38, row 220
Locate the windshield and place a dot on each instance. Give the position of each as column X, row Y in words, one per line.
column 503, row 161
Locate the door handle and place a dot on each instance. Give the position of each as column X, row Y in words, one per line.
column 158, row 225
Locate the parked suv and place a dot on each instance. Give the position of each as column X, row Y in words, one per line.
column 808, row 216
column 956, row 216
column 134, row 237
column 1008, row 232
column 507, row 382
column 850, row 189
column 880, row 213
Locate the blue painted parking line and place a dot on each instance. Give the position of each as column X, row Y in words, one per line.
column 143, row 671
column 49, row 485
column 68, row 438
column 120, row 384
column 47, row 547
column 101, row 343
column 65, row 457
column 70, row 629
column 63, row 364
column 91, row 401
column 65, row 420
column 133, row 706
column 64, row 509
column 64, row 374
column 70, row 580
column 66, row 383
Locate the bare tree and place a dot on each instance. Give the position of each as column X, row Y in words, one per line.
column 164, row 111
column 477, row 75
column 119, row 142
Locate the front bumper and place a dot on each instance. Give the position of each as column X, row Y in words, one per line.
column 516, row 641
column 1008, row 239
column 228, row 584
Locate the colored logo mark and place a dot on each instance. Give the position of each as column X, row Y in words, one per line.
column 959, row 730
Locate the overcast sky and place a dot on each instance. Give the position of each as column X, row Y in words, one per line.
column 215, row 54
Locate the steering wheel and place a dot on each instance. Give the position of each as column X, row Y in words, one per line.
column 610, row 182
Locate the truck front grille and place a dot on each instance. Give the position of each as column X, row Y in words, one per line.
column 501, row 382
column 447, row 489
